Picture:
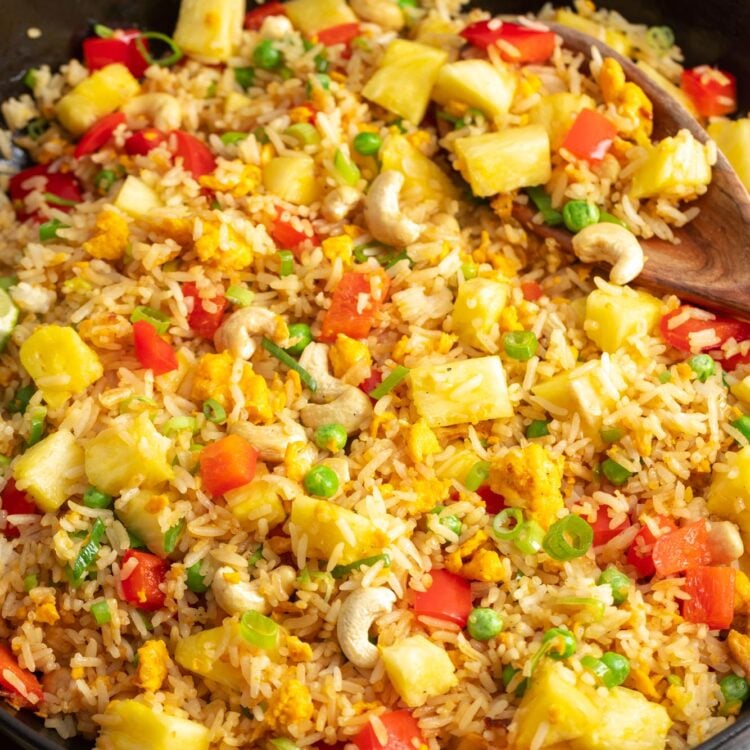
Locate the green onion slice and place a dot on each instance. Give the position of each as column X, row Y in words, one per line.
column 507, row 524
column 164, row 62
column 590, row 604
column 477, row 475
column 30, row 582
column 346, row 168
column 87, row 554
column 20, row 401
column 543, row 203
column 397, row 376
column 259, row 630
column 102, row 31
column 101, row 612
column 239, row 296
column 48, row 230
column 232, row 137
column 180, row 424
column 157, row 318
column 37, row 417
column 172, row 536
column 290, row 362
column 214, row 412
column 339, row 571
column 56, row 200
column 287, row 263
column 568, row 538
column 520, row 345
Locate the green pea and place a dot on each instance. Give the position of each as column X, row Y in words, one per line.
column 618, row 582
column 330, row 437
column 267, row 56
column 619, row 669
column 301, row 334
column 94, row 498
column 484, row 623
column 452, row 523
column 509, row 672
column 742, row 424
column 244, row 77
column 538, row 428
column 563, row 643
column 195, row 579
column 367, row 144
column 579, row 214
column 734, row 688
column 703, row 366
column 321, row 481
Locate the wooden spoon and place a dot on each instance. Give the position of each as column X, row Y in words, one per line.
column 710, row 265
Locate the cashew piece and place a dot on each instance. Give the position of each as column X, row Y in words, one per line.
column 163, row 111
column 339, row 202
column 276, row 27
column 724, row 542
column 382, row 12
column 613, row 244
column 236, row 598
column 239, row 331
column 383, row 213
column 351, row 410
column 314, row 359
column 356, row 616
column 271, row 441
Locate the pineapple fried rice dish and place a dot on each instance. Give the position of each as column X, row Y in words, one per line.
column 308, row 442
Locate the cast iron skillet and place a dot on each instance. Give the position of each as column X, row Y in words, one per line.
column 715, row 32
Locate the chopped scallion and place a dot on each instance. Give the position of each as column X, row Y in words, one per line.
column 568, row 538
column 163, row 62
column 101, row 612
column 347, row 170
column 259, row 630
column 339, row 571
column 172, row 536
column 180, row 424
column 286, row 267
column 520, row 345
column 87, row 553
column 477, row 475
column 276, row 351
column 214, row 412
column 159, row 320
column 232, row 138
column 94, row 498
column 48, row 230
column 37, row 418
column 397, row 376
column 30, row 582
column 543, row 203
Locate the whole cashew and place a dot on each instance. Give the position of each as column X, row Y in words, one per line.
column 382, row 12
column 314, row 359
column 724, row 542
column 356, row 616
column 339, row 202
column 383, row 213
column 270, row 441
column 613, row 244
column 351, row 409
column 236, row 598
column 163, row 111
column 239, row 331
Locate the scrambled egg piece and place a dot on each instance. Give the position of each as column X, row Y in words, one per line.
column 290, row 704
column 338, row 247
column 641, row 681
column 347, row 352
column 629, row 99
column 530, row 478
column 238, row 183
column 111, row 238
column 222, row 245
column 179, row 230
column 429, row 492
column 739, row 647
column 296, row 462
column 474, row 560
column 212, row 376
column 421, row 442
column 509, row 319
column 46, row 611
column 298, row 650
column 741, row 594
column 153, row 660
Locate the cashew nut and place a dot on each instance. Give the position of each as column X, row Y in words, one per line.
column 383, row 213
column 239, row 331
column 271, row 441
column 356, row 616
column 339, row 202
column 237, row 597
column 724, row 542
column 382, row 12
column 163, row 111
column 613, row 244
column 276, row 27
column 314, row 359
column 351, row 409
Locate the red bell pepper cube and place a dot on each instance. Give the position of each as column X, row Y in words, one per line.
column 151, row 350
column 724, row 329
column 493, row 503
column 141, row 588
column 16, row 502
column 448, row 598
column 711, row 592
column 517, row 43
column 98, row 134
column 590, row 136
column 531, row 291
column 60, row 185
column 227, row 464
column 682, row 549
column 341, row 34
column 196, row 156
column 289, row 238
column 403, row 733
column 254, row 18
column 120, row 48
column 31, row 695
column 713, row 91
column 603, row 532
column 144, row 141
column 640, row 552
column 347, row 313
column 207, row 314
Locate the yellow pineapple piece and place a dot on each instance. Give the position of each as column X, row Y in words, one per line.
column 733, row 138
column 729, row 493
column 479, row 84
column 137, row 198
column 477, row 310
column 311, row 16
column 291, row 178
column 557, row 112
column 260, row 500
column 210, row 30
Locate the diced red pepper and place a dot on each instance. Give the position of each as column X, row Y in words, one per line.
column 120, row 48
column 493, row 502
column 403, row 733
column 152, row 351
column 679, row 335
column 289, row 238
column 16, row 502
column 448, row 598
column 98, row 134
column 254, row 18
column 58, row 184
column 372, row 382
column 601, row 526
column 196, row 156
column 531, row 291
column 529, row 45
column 227, row 464
column 32, row 695
column 347, row 313
column 341, row 34
column 711, row 592
column 142, row 587
column 590, row 136
column 207, row 314
column 682, row 549
column 144, row 141
column 640, row 553
column 713, row 91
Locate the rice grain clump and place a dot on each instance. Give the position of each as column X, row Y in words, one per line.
column 307, row 442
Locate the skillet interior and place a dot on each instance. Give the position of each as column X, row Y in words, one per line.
column 714, row 32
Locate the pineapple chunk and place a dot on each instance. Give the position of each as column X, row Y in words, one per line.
column 478, row 84
column 615, row 39
column 60, row 363
column 204, row 654
column 102, row 92
column 403, row 82
column 470, row 390
column 141, row 726
column 210, row 30
column 677, row 167
column 311, row 16
column 556, row 113
column 291, row 178
column 328, row 525
column 126, row 454
column 553, row 697
column 674, row 91
column 136, row 197
column 476, row 312
column 500, row 162
column 423, row 179
column 457, row 466
column 741, row 390
column 617, row 315
column 733, row 138
column 418, row 669
column 729, row 493
column 260, row 500
column 141, row 516
column 48, row 470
